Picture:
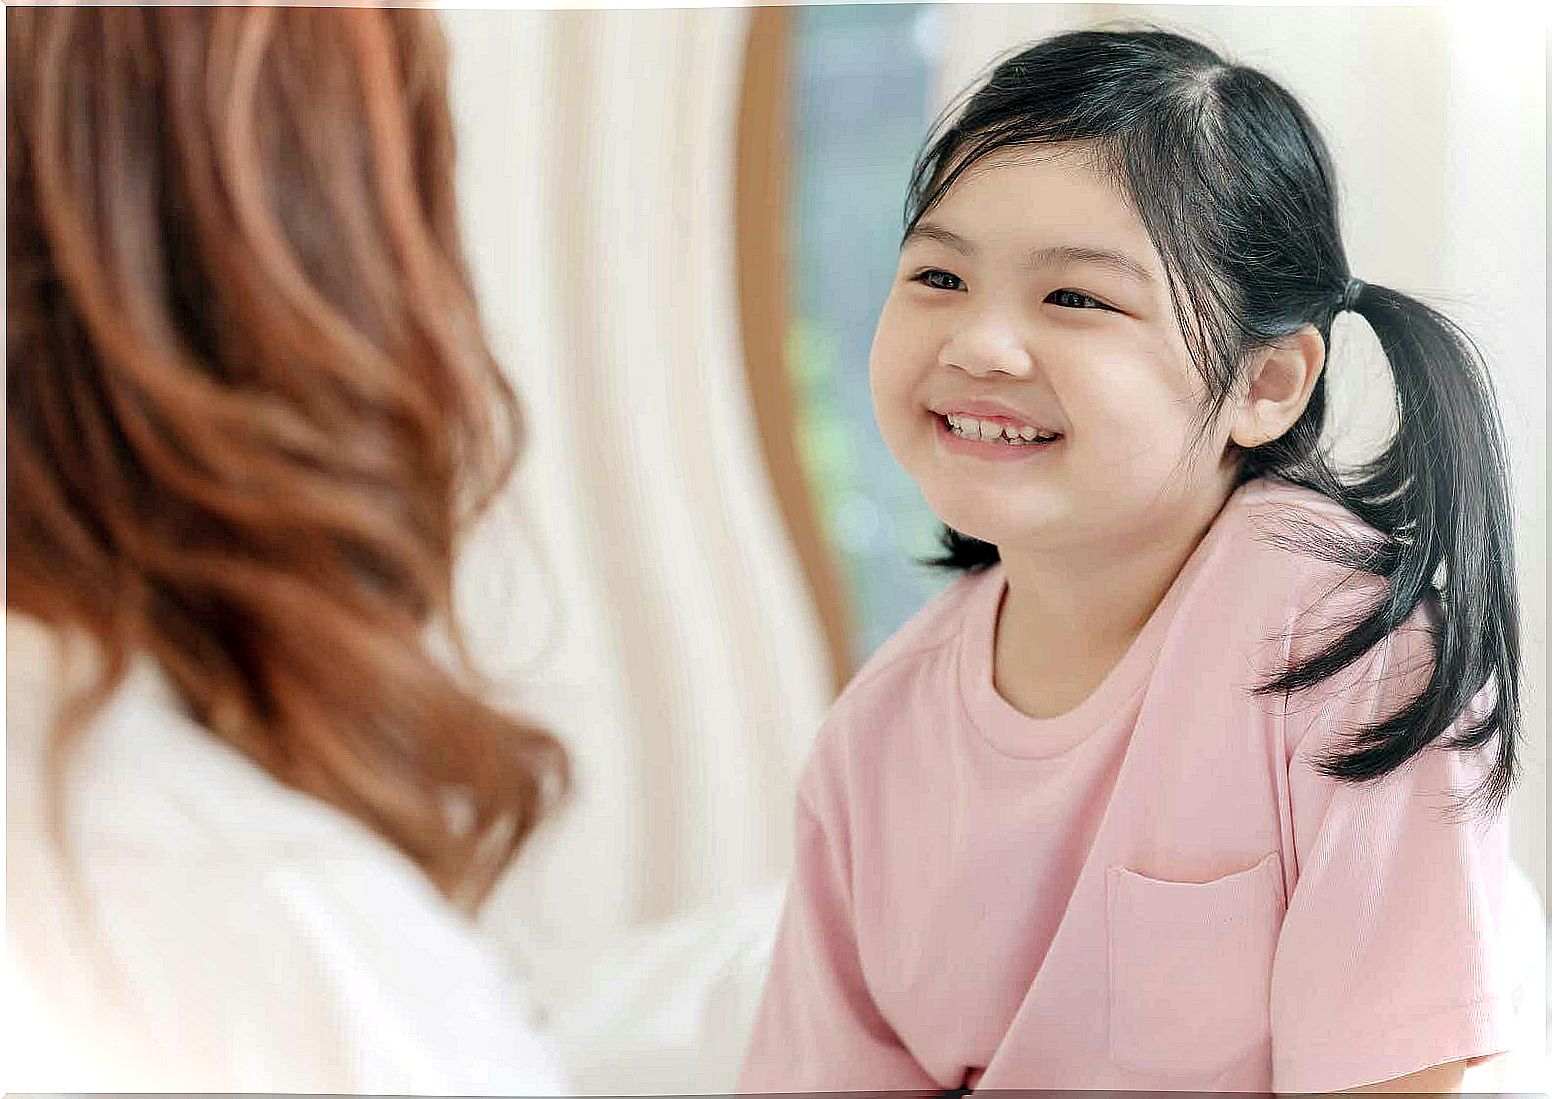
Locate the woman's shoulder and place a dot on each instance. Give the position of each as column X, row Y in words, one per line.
column 230, row 900
column 141, row 772
column 144, row 790
column 142, row 786
column 188, row 971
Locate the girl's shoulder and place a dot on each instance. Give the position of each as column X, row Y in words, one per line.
column 1296, row 550
column 1297, row 543
column 1269, row 502
column 907, row 684
column 926, row 632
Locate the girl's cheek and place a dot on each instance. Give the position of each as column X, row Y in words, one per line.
column 895, row 368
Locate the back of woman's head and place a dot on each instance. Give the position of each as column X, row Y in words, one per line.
column 1235, row 187
column 251, row 409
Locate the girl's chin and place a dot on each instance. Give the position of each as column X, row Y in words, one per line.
column 997, row 530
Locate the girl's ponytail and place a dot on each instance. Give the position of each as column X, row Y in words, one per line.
column 1439, row 495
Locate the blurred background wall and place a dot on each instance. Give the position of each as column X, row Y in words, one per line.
column 678, row 654
column 683, row 223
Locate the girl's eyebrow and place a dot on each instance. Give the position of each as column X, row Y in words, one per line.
column 1119, row 262
column 1054, row 255
column 927, row 230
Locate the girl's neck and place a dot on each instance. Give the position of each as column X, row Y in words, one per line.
column 1067, row 619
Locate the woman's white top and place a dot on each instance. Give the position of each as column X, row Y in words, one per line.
column 214, row 930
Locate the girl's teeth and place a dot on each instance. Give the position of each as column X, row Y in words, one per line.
column 988, row 432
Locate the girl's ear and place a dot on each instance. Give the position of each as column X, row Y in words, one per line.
column 1277, row 387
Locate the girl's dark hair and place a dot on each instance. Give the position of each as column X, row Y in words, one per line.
column 1237, row 192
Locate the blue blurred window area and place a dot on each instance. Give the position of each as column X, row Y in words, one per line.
column 862, row 81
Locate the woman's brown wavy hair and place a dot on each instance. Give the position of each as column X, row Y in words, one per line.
column 251, row 408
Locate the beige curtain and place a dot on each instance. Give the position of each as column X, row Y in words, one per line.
column 637, row 589
column 1436, row 119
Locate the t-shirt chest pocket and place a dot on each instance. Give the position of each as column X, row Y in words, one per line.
column 1190, row 969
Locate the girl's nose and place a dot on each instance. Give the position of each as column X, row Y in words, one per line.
column 987, row 348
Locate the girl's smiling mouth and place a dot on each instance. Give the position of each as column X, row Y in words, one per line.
column 995, row 438
column 980, row 429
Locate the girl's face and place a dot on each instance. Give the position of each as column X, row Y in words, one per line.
column 1028, row 370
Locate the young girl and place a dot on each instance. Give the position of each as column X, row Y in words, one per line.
column 1194, row 781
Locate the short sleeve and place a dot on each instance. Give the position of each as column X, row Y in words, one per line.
column 817, row 1028
column 1391, row 958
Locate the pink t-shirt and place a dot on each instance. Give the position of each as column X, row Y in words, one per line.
column 1153, row 891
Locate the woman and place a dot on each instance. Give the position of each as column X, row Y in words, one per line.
column 251, row 413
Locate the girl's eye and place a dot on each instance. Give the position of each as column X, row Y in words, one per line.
column 1072, row 299
column 939, row 280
